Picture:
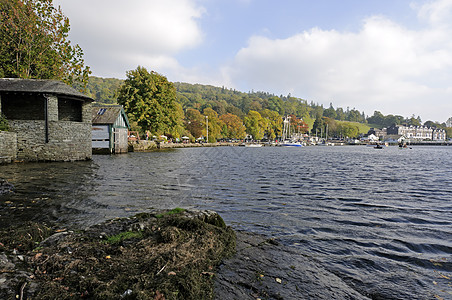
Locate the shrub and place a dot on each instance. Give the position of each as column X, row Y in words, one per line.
column 3, row 123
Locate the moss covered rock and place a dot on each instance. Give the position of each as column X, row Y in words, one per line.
column 173, row 256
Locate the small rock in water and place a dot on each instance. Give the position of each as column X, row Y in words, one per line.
column 6, row 187
column 127, row 293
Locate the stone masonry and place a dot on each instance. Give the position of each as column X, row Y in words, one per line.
column 66, row 140
column 8, row 147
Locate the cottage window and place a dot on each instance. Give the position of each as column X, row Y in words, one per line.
column 69, row 110
column 23, row 106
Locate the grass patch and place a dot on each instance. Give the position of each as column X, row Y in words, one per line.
column 114, row 239
column 174, row 211
column 362, row 128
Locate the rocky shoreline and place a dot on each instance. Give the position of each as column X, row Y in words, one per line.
column 265, row 269
column 177, row 254
column 163, row 255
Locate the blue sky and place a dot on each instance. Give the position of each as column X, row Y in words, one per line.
column 394, row 56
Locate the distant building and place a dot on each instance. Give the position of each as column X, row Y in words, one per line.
column 51, row 120
column 420, row 133
column 379, row 133
column 110, row 129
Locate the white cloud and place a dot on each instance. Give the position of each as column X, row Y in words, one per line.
column 436, row 13
column 116, row 32
column 384, row 66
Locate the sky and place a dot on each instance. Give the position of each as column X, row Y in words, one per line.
column 392, row 56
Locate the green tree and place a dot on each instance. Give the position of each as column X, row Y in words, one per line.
column 330, row 126
column 448, row 132
column 276, row 104
column 354, row 116
column 179, row 129
column 34, row 43
column 255, row 124
column 215, row 125
column 393, row 120
column 347, row 130
column 330, row 112
column 274, row 122
column 318, row 126
column 194, row 122
column 377, row 119
column 233, row 127
column 414, row 121
column 150, row 100
column 340, row 114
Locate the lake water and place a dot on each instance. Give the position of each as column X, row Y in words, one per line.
column 379, row 219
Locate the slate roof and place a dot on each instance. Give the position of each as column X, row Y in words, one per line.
column 40, row 86
column 107, row 114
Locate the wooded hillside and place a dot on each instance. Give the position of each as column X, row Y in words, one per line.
column 225, row 101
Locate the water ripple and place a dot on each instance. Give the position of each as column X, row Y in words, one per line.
column 381, row 220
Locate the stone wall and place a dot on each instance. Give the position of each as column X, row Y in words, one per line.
column 68, row 141
column 8, row 146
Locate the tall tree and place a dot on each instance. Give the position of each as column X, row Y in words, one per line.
column 255, row 124
column 346, row 130
column 276, row 104
column 214, row 124
column 150, row 100
column 318, row 126
column 34, row 43
column 194, row 122
column 330, row 112
column 340, row 114
column 233, row 127
column 178, row 130
column 274, row 122
column 377, row 119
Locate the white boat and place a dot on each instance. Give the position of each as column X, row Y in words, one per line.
column 286, row 135
column 291, row 144
column 253, row 145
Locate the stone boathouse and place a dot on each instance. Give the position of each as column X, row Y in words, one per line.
column 50, row 120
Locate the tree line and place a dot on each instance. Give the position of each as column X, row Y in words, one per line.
column 231, row 114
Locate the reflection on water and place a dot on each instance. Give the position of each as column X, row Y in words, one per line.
column 379, row 219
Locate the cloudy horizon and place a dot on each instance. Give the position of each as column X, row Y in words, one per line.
column 390, row 56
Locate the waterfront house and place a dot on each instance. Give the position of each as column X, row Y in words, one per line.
column 110, row 129
column 379, row 133
column 51, row 120
column 418, row 133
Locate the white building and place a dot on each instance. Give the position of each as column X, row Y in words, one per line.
column 420, row 133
